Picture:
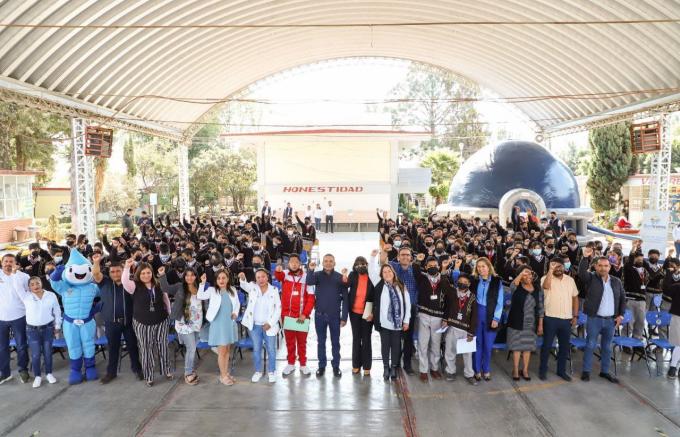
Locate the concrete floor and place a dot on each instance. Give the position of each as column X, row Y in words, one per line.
column 352, row 405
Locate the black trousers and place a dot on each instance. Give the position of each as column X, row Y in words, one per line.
column 409, row 348
column 113, row 333
column 390, row 347
column 362, row 354
column 329, row 219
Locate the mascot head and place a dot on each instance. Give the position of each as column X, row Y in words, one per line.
column 78, row 270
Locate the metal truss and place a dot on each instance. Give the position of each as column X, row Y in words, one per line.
column 82, row 182
column 659, row 196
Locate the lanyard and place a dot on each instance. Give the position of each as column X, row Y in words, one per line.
column 295, row 283
column 152, row 299
column 462, row 302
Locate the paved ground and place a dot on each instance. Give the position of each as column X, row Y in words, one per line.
column 353, row 405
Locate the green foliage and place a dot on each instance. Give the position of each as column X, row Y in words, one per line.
column 435, row 101
column 129, row 156
column 610, row 164
column 155, row 163
column 576, row 159
column 218, row 172
column 444, row 166
column 27, row 139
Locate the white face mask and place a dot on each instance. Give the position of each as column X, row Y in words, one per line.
column 290, row 233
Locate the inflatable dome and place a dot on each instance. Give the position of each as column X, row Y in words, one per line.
column 514, row 173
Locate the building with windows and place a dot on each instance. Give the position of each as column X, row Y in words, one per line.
column 16, row 204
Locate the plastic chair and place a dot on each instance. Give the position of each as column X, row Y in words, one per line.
column 575, row 341
column 660, row 320
column 100, row 345
column 630, row 342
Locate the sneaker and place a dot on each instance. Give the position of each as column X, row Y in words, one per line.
column 256, row 377
column 585, row 376
column 288, row 369
column 305, row 370
column 609, row 377
column 272, row 377
column 50, row 378
column 672, row 373
column 472, row 380
column 23, row 376
column 4, row 379
column 37, row 381
column 450, row 376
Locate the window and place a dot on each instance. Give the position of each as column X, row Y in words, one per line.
column 16, row 198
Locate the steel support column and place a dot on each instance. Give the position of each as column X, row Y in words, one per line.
column 661, row 169
column 183, row 173
column 83, row 210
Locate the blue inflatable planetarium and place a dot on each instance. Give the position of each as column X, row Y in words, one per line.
column 516, row 173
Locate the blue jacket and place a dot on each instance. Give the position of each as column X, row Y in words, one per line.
column 331, row 293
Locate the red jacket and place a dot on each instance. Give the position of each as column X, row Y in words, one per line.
column 293, row 289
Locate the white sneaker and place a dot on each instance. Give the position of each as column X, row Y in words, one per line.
column 37, row 381
column 50, row 378
column 272, row 377
column 305, row 370
column 256, row 377
column 5, row 379
column 290, row 368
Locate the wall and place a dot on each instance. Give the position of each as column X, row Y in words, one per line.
column 358, row 176
column 48, row 201
column 7, row 227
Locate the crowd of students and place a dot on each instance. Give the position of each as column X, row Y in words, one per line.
column 434, row 285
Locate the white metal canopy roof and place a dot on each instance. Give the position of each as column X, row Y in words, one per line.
column 207, row 49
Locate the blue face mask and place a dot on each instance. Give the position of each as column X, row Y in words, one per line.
column 536, row 252
column 567, row 266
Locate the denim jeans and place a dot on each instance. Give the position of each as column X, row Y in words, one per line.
column 40, row 340
column 317, row 224
column 113, row 332
column 596, row 326
column 560, row 328
column 189, row 341
column 322, row 323
column 259, row 337
column 18, row 327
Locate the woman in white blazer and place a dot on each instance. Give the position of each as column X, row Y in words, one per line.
column 262, row 320
column 223, row 309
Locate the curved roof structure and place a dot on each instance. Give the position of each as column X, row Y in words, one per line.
column 494, row 170
column 105, row 54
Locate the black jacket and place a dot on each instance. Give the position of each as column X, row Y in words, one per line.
column 594, row 288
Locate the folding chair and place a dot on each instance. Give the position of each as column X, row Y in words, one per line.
column 660, row 320
column 575, row 341
column 100, row 345
column 59, row 346
column 633, row 343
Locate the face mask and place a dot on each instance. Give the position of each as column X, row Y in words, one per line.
column 164, row 258
column 35, row 253
column 362, row 270
column 612, row 260
column 257, row 266
column 653, row 260
column 536, row 252
column 676, row 276
column 638, row 264
column 428, row 244
column 57, row 259
column 432, row 271
column 397, row 243
column 290, row 233
column 275, row 245
column 138, row 258
column 228, row 255
column 439, row 250
column 567, row 266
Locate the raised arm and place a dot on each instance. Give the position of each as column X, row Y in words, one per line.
column 166, row 287
column 97, row 274
column 128, row 284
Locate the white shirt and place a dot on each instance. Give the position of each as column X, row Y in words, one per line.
column 12, row 289
column 329, row 210
column 308, row 213
column 40, row 312
column 676, row 235
column 317, row 213
column 405, row 304
column 261, row 311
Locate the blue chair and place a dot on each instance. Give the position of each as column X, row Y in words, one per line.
column 100, row 345
column 201, row 346
column 659, row 320
column 575, row 341
column 59, row 346
column 630, row 342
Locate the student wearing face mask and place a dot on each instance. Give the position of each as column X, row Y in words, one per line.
column 615, row 260
column 671, row 303
column 431, row 286
column 460, row 315
column 635, row 279
column 656, row 273
column 537, row 259
column 361, row 281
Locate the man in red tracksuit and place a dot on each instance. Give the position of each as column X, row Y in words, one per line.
column 297, row 301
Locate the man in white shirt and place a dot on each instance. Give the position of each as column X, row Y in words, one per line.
column 329, row 216
column 13, row 285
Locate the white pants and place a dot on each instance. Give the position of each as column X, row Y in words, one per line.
column 429, row 342
column 452, row 337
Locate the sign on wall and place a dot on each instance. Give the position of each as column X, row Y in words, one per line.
column 654, row 230
column 322, row 189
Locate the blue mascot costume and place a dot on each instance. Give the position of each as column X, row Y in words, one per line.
column 73, row 282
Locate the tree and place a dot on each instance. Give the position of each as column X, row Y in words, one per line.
column 442, row 104
column 610, row 164
column 155, row 162
column 222, row 172
column 129, row 156
column 576, row 159
column 444, row 166
column 100, row 165
column 119, row 194
column 27, row 139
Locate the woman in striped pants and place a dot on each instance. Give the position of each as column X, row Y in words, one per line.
column 149, row 318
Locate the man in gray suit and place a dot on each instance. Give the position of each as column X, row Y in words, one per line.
column 604, row 305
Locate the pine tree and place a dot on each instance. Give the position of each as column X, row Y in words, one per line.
column 609, row 168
